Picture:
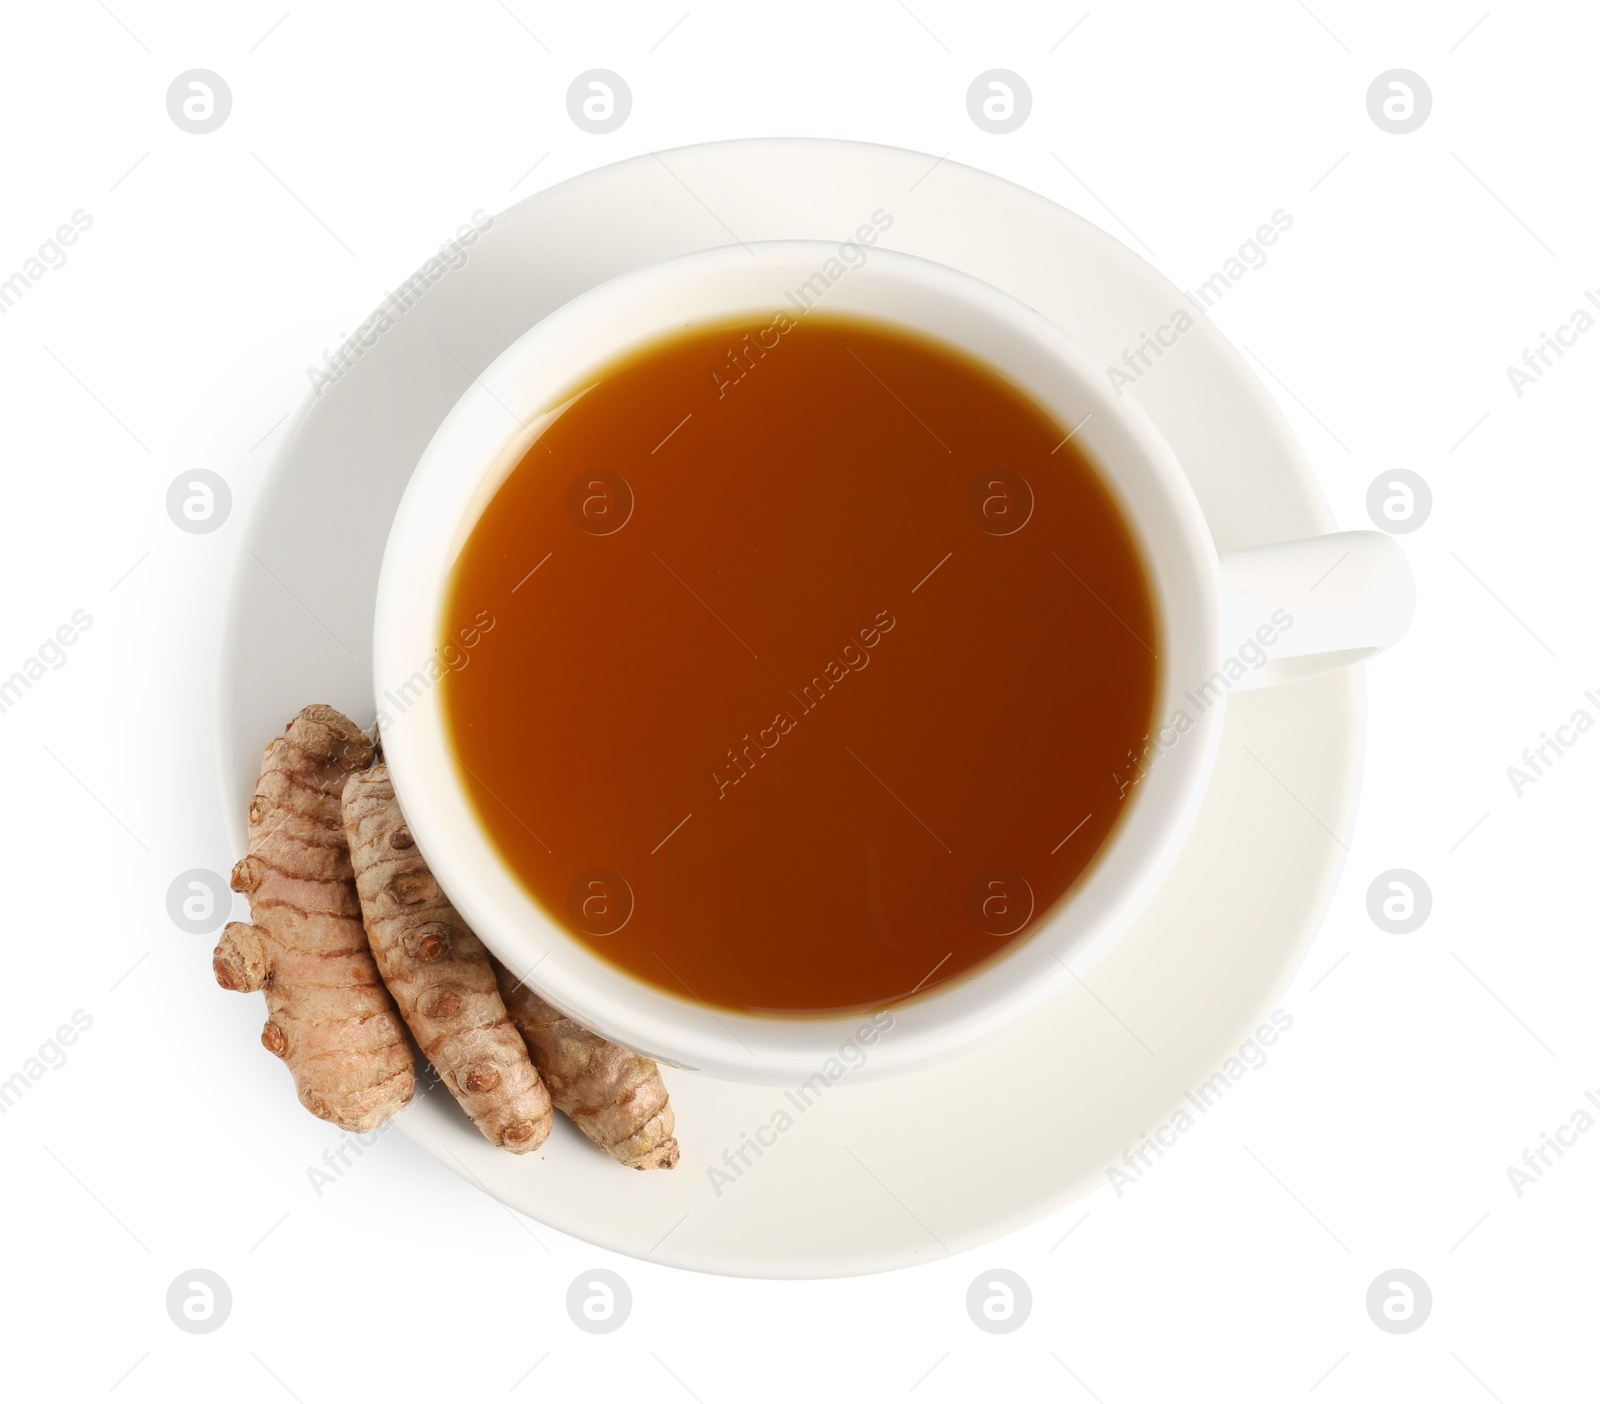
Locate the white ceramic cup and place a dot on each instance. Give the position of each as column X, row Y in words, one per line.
column 1222, row 622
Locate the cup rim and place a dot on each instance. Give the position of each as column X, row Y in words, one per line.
column 485, row 436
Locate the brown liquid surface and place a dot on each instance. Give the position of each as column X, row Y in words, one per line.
column 775, row 679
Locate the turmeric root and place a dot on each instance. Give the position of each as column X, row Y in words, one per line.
column 438, row 972
column 329, row 1016
column 615, row 1097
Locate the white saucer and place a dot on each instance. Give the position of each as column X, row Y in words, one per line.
column 895, row 1172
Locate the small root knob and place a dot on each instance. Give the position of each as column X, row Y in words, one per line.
column 410, row 888
column 429, row 943
column 484, row 1078
column 441, row 1002
column 246, row 875
column 240, row 960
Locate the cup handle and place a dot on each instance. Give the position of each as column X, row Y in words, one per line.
column 1345, row 597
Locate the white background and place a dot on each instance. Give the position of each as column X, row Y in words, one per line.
column 1419, row 1067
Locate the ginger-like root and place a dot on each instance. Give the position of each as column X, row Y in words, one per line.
column 438, row 972
column 328, row 1015
column 615, row 1097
